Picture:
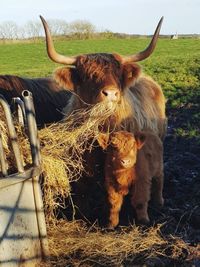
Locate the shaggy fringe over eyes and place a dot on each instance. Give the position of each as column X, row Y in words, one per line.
column 94, row 65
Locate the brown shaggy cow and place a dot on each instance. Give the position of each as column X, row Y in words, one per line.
column 116, row 80
column 131, row 163
column 49, row 99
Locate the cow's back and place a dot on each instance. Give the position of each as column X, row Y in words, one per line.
column 49, row 99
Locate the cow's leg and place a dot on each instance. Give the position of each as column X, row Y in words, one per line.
column 157, row 190
column 115, row 200
column 140, row 196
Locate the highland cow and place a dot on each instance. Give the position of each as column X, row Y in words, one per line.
column 131, row 164
column 115, row 80
column 92, row 78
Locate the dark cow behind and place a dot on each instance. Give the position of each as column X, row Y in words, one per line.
column 49, row 98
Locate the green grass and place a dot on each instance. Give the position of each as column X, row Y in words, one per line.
column 30, row 59
column 175, row 64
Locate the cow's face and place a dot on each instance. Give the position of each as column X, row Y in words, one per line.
column 98, row 77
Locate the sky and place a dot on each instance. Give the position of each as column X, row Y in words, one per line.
column 124, row 16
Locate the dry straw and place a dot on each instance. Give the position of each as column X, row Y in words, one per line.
column 3, row 130
column 62, row 148
column 6, row 144
column 76, row 244
column 73, row 243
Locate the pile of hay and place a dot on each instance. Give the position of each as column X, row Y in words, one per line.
column 62, row 148
column 74, row 243
column 3, row 130
column 6, row 144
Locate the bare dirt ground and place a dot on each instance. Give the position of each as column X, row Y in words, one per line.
column 181, row 212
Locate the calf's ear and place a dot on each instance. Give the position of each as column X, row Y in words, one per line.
column 63, row 76
column 131, row 71
column 140, row 139
column 103, row 140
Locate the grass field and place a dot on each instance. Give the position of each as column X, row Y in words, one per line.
column 170, row 56
column 175, row 65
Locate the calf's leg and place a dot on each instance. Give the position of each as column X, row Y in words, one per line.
column 157, row 190
column 140, row 196
column 115, row 200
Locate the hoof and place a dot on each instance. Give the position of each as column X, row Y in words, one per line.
column 159, row 203
column 111, row 227
column 143, row 221
column 110, row 230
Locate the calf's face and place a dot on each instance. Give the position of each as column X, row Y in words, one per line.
column 122, row 148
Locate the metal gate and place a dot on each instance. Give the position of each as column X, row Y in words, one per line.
column 22, row 223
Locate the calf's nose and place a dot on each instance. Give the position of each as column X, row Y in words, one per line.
column 126, row 162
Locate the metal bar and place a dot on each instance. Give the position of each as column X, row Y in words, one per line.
column 39, row 208
column 12, row 134
column 32, row 127
column 4, row 166
column 19, row 105
column 36, row 158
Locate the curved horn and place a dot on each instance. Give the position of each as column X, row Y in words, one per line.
column 149, row 50
column 51, row 50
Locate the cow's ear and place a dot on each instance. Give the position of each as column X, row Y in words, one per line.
column 140, row 139
column 63, row 76
column 131, row 71
column 103, row 139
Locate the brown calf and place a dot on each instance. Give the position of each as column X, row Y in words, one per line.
column 131, row 163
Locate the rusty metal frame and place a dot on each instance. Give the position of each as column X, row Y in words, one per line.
column 23, row 177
